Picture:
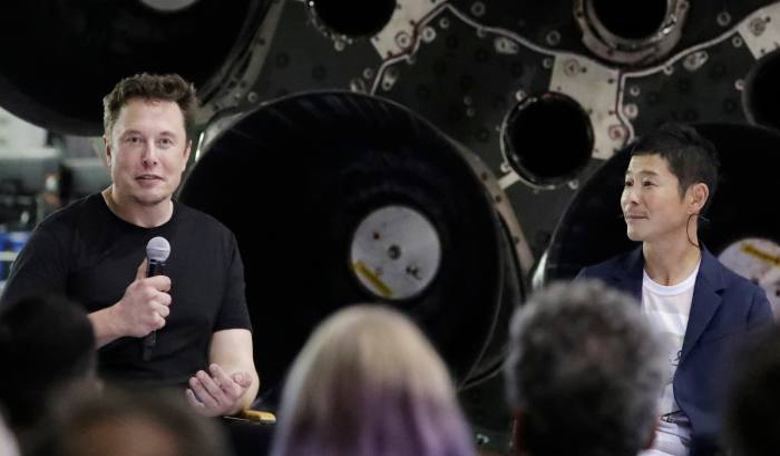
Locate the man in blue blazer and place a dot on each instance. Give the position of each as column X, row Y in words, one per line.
column 700, row 307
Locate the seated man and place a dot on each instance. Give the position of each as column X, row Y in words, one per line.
column 583, row 374
column 48, row 345
column 699, row 306
column 188, row 328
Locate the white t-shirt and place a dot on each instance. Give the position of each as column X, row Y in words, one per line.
column 667, row 308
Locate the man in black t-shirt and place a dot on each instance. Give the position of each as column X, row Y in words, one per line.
column 93, row 251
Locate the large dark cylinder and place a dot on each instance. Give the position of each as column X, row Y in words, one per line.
column 299, row 180
column 60, row 57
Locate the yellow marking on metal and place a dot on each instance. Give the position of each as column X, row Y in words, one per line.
column 753, row 251
column 364, row 271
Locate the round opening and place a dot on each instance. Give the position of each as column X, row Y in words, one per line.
column 630, row 20
column 354, row 18
column 547, row 140
column 762, row 91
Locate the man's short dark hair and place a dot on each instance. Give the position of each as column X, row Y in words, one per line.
column 165, row 87
column 752, row 424
column 47, row 342
column 584, row 372
column 691, row 158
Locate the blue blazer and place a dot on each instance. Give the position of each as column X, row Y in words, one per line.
column 725, row 308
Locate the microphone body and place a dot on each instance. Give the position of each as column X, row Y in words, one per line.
column 157, row 251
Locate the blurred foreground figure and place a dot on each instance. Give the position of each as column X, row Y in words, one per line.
column 368, row 383
column 131, row 423
column 584, row 373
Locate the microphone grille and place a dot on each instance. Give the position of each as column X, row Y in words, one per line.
column 158, row 249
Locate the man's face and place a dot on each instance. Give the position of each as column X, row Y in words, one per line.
column 651, row 201
column 147, row 151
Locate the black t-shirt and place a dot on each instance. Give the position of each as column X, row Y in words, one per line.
column 90, row 255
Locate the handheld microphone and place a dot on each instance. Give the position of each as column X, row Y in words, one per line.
column 157, row 251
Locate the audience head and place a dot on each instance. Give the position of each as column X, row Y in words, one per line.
column 49, row 344
column 584, row 373
column 130, row 422
column 752, row 423
column 368, row 382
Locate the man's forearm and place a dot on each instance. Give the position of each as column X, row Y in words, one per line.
column 105, row 328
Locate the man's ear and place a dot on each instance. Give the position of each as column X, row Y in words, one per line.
column 107, row 158
column 700, row 193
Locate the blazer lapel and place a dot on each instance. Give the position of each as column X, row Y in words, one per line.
column 628, row 274
column 706, row 301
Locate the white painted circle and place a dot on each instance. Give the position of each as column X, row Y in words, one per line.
column 395, row 252
column 758, row 260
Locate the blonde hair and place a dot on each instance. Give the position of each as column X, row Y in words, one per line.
column 366, row 382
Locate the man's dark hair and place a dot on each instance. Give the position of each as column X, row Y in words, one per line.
column 752, row 424
column 584, row 372
column 47, row 342
column 165, row 87
column 691, row 158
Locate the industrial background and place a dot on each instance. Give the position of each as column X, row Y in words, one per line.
column 444, row 157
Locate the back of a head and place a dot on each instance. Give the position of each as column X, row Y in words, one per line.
column 584, row 372
column 691, row 158
column 49, row 344
column 130, row 422
column 368, row 382
column 752, row 423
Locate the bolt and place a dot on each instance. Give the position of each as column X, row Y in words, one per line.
column 631, row 110
column 403, row 40
column 757, row 26
column 478, row 9
column 553, row 38
column 724, row 18
column 616, row 132
column 394, row 252
column 571, row 67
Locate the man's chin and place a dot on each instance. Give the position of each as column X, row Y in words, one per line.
column 152, row 201
column 634, row 236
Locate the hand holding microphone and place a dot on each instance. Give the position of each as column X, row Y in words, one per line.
column 157, row 251
column 144, row 306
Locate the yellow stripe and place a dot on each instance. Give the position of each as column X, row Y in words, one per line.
column 751, row 250
column 362, row 270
